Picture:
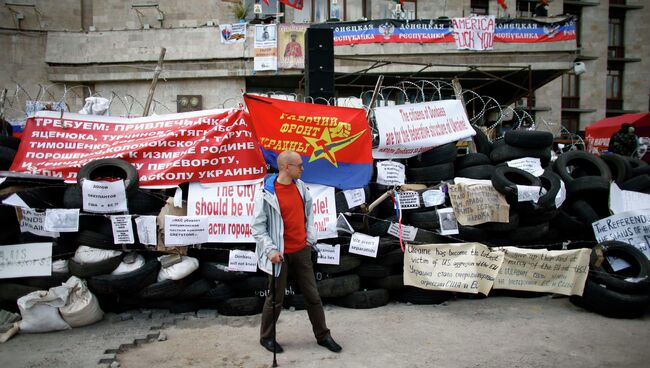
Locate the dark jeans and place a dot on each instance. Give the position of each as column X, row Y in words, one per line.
column 300, row 266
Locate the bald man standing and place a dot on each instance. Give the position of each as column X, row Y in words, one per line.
column 284, row 233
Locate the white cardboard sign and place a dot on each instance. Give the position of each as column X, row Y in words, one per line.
column 529, row 164
column 328, row 254
column 62, row 220
column 433, row 197
column 625, row 200
column 324, row 210
column 390, row 173
column 631, row 227
column 355, row 197
column 408, row 232
column 185, row 230
column 22, row 260
column 104, row 196
column 146, row 229
column 122, row 229
column 242, row 260
column 34, row 222
column 527, row 193
column 364, row 245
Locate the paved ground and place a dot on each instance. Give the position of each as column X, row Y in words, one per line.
column 493, row 332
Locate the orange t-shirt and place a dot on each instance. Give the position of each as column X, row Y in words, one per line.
column 292, row 210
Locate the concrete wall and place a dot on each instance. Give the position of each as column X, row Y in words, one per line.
column 119, row 14
column 636, row 78
column 45, row 15
column 547, row 97
column 217, row 93
column 594, row 31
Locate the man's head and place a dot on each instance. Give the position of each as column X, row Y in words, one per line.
column 294, row 37
column 290, row 165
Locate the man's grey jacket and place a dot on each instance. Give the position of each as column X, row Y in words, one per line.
column 268, row 228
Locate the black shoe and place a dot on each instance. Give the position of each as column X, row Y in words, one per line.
column 330, row 344
column 268, row 345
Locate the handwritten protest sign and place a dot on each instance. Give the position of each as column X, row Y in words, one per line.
column 547, row 271
column 364, row 245
column 21, row 260
column 406, row 130
column 328, row 254
column 462, row 267
column 104, row 196
column 632, row 227
column 122, row 229
column 229, row 209
column 478, row 203
column 242, row 260
column 324, row 210
column 531, row 165
column 474, row 33
column 626, row 200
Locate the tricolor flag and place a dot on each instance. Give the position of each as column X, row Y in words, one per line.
column 334, row 142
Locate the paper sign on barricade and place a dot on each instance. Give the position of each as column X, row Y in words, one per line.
column 242, row 260
column 406, row 130
column 146, row 225
column 462, row 267
column 626, row 200
column 477, row 204
column 324, row 210
column 364, row 245
column 390, row 173
column 104, row 196
column 560, row 197
column 233, row 33
column 408, row 200
column 34, row 222
column 545, row 271
column 64, row 220
column 328, row 254
column 528, row 193
column 632, row 227
column 211, row 146
column 229, row 208
column 355, row 197
column 447, row 221
column 265, row 48
column 122, row 229
column 22, row 260
column 433, row 197
column 531, row 165
column 408, row 232
column 185, row 230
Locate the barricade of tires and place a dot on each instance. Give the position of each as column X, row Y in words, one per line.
column 125, row 279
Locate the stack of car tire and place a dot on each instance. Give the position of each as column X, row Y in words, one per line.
column 357, row 282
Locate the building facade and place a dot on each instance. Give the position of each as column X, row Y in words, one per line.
column 71, row 49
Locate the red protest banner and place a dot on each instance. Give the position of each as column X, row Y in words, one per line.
column 212, row 146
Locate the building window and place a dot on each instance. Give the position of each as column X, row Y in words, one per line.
column 615, row 40
column 614, row 89
column 525, row 8
column 479, row 7
column 570, row 91
column 270, row 9
column 319, row 11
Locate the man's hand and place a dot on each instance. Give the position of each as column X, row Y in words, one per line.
column 276, row 258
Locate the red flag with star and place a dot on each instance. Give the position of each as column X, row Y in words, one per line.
column 334, row 142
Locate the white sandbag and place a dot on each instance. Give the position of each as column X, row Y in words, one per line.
column 40, row 310
column 180, row 270
column 85, row 254
column 82, row 308
column 126, row 267
column 60, row 266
